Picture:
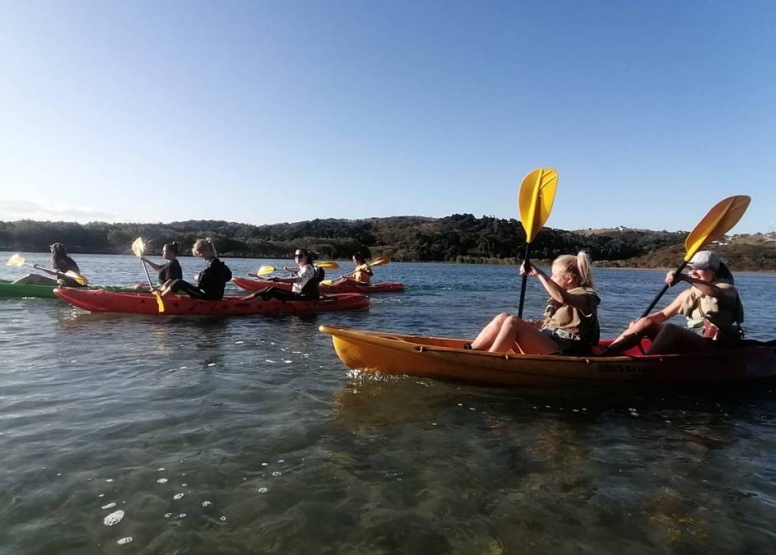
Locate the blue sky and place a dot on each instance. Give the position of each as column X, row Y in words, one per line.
column 264, row 112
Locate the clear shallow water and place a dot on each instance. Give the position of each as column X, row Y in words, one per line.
column 276, row 449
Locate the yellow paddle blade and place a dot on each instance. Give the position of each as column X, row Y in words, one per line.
column 714, row 225
column 534, row 201
column 138, row 247
column 265, row 270
column 327, row 265
column 379, row 261
column 17, row 260
column 81, row 280
column 159, row 301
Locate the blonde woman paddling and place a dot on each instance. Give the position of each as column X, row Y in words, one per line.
column 570, row 325
column 212, row 280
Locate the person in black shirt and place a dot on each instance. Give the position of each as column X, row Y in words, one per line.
column 212, row 279
column 172, row 269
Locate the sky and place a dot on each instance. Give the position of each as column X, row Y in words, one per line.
column 276, row 111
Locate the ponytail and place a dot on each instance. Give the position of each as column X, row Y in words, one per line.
column 579, row 266
column 724, row 273
column 205, row 245
column 172, row 247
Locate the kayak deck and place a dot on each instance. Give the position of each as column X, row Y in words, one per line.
column 344, row 287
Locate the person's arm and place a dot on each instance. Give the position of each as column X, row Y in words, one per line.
column 56, row 273
column 304, row 275
column 580, row 302
column 641, row 325
column 705, row 287
column 153, row 265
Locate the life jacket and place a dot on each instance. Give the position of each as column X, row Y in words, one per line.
column 720, row 317
column 310, row 289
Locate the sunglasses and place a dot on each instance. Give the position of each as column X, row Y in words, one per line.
column 298, row 255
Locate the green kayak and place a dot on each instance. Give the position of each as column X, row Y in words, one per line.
column 10, row 290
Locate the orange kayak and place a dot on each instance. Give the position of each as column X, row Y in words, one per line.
column 436, row 357
column 145, row 303
column 344, row 287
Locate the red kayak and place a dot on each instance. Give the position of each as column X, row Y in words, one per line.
column 343, row 287
column 145, row 303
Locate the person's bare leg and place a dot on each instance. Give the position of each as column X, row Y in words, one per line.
column 36, row 279
column 517, row 333
column 489, row 333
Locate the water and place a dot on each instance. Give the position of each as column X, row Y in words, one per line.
column 247, row 435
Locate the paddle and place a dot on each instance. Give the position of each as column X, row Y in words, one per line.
column 266, row 270
column 138, row 248
column 714, row 225
column 263, row 271
column 537, row 193
column 17, row 261
column 374, row 263
column 379, row 261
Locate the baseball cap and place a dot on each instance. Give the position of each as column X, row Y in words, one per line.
column 704, row 260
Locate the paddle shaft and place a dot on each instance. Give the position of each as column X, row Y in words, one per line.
column 526, row 268
column 55, row 273
column 148, row 276
column 663, row 291
column 52, row 272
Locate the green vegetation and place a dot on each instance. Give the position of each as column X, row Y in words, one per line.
column 456, row 238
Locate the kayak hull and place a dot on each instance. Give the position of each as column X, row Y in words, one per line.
column 442, row 358
column 344, row 287
column 146, row 303
column 10, row 290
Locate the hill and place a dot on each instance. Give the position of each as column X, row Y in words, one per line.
column 456, row 238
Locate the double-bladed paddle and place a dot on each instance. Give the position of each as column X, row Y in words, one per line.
column 138, row 248
column 17, row 260
column 267, row 270
column 534, row 201
column 374, row 263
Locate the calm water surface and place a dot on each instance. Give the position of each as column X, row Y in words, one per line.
column 247, row 435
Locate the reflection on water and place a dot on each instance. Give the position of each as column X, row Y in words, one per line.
column 247, row 435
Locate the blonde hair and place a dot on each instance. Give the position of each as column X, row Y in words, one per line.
column 204, row 246
column 579, row 266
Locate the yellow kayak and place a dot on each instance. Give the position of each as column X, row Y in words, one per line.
column 436, row 357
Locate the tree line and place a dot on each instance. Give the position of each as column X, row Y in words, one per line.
column 457, row 238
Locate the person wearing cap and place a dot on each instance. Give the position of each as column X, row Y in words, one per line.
column 711, row 305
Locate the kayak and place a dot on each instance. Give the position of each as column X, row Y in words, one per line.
column 10, row 290
column 344, row 287
column 435, row 357
column 145, row 303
